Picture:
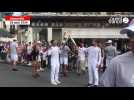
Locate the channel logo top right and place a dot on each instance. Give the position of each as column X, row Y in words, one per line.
column 118, row 20
column 125, row 20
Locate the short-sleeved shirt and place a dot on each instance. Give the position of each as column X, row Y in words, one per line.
column 110, row 51
column 29, row 49
column 45, row 55
column 64, row 51
column 19, row 49
column 13, row 47
column 82, row 53
column 120, row 72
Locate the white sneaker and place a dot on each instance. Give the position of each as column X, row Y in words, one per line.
column 53, row 83
column 29, row 64
column 38, row 70
column 58, row 82
column 41, row 69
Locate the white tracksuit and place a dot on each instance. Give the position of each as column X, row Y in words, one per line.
column 94, row 58
column 55, row 64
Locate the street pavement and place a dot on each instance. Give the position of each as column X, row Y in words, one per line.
column 23, row 78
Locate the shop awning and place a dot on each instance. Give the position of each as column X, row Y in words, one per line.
column 4, row 39
column 95, row 33
column 100, row 36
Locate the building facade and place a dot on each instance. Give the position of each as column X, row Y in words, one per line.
column 80, row 25
column 50, row 26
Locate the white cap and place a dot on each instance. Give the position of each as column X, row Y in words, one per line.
column 38, row 42
column 109, row 41
column 63, row 41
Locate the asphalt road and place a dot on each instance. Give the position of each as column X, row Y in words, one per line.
column 23, row 78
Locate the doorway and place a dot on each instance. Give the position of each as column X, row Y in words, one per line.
column 57, row 34
column 43, row 35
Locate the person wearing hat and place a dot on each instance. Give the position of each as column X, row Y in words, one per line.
column 120, row 72
column 110, row 52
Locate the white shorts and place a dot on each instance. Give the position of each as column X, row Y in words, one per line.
column 64, row 60
column 14, row 57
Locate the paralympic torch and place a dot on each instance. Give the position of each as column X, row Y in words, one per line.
column 73, row 40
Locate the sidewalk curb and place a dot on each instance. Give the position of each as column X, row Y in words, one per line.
column 4, row 62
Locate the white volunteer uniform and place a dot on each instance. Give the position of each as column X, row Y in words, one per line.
column 29, row 49
column 82, row 56
column 45, row 55
column 39, row 56
column 64, row 55
column 81, row 53
column 94, row 58
column 14, row 55
column 120, row 72
column 55, row 64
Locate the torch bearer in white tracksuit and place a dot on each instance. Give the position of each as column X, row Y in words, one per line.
column 94, row 59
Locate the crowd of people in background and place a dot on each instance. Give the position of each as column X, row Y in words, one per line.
column 60, row 57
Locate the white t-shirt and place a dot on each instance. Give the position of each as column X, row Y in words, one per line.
column 29, row 49
column 120, row 72
column 61, row 51
column 45, row 55
column 13, row 47
column 94, row 55
column 82, row 53
column 64, row 51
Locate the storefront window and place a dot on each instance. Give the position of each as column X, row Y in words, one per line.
column 33, row 24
